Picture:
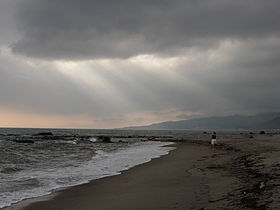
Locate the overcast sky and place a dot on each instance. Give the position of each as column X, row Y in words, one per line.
column 108, row 63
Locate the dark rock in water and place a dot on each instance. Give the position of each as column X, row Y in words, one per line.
column 262, row 132
column 105, row 139
column 44, row 134
column 24, row 141
column 251, row 137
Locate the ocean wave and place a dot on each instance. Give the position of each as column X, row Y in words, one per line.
column 92, row 139
column 38, row 182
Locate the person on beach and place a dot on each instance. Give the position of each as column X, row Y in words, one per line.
column 214, row 140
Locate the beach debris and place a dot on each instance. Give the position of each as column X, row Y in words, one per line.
column 215, row 166
column 248, row 169
column 203, row 158
column 262, row 185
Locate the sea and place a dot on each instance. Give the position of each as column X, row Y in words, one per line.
column 36, row 162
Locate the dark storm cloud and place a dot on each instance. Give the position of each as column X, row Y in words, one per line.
column 85, row 29
column 227, row 57
column 247, row 82
column 7, row 26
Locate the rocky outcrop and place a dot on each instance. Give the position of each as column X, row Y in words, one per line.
column 44, row 134
column 24, row 141
column 105, row 139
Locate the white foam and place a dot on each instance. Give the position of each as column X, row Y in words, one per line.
column 102, row 164
column 92, row 139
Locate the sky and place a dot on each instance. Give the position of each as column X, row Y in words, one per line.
column 112, row 64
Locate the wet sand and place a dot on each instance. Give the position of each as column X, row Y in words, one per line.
column 241, row 173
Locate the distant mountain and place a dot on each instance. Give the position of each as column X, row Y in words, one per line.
column 259, row 121
column 273, row 124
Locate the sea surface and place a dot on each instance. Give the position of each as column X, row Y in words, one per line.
column 35, row 162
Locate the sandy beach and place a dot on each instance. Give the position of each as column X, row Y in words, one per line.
column 242, row 173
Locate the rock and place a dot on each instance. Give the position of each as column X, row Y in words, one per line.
column 44, row 134
column 262, row 132
column 121, row 141
column 105, row 139
column 24, row 141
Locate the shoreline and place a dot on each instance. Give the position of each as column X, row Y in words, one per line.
column 162, row 176
column 241, row 174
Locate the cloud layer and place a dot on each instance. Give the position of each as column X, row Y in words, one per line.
column 87, row 29
column 118, row 63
